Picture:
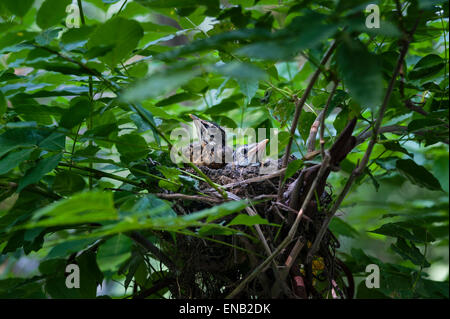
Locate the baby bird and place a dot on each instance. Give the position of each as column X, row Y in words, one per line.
column 246, row 155
column 211, row 149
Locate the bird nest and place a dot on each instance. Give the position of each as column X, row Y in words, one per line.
column 291, row 256
column 210, row 269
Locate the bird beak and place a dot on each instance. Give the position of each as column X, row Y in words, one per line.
column 258, row 149
column 199, row 127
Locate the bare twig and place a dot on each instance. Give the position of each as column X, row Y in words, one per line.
column 311, row 144
column 293, row 256
column 254, row 179
column 410, row 105
column 289, row 209
column 322, row 120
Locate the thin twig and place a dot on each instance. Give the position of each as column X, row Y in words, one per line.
column 322, row 120
column 254, row 179
column 311, row 142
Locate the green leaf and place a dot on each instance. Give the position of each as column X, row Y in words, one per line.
column 122, row 34
column 19, row 137
column 219, row 211
column 304, row 32
column 248, row 88
column 68, row 247
column 55, row 282
column 67, row 183
column 222, row 107
column 304, row 124
column 51, row 13
column 10, row 41
column 113, row 252
column 248, row 220
column 410, row 252
column 176, row 3
column 146, row 206
column 419, row 124
column 176, row 98
column 340, row 227
column 14, row 159
column 132, row 147
column 417, row 174
column 388, row 163
column 196, row 85
column 77, row 113
column 283, row 139
column 90, row 274
column 49, row 266
column 76, row 37
column 361, row 73
column 427, row 66
column 292, row 168
column 3, row 104
column 14, row 288
column 241, row 71
column 43, row 167
column 158, row 84
column 341, row 120
column 96, row 206
column 54, row 142
column 395, row 230
column 147, row 116
column 19, row 8
column 396, row 147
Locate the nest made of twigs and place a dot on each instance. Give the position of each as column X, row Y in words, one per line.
column 211, row 269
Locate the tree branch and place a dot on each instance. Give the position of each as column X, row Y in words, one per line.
column 322, row 120
column 362, row 165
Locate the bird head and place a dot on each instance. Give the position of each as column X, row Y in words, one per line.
column 249, row 154
column 208, row 132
